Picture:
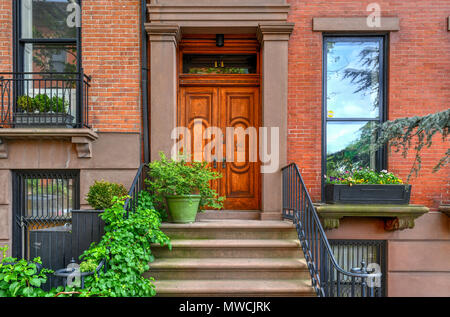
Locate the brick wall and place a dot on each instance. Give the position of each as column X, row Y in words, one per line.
column 419, row 81
column 6, row 26
column 111, row 55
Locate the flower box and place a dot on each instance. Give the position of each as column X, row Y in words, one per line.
column 367, row 194
column 43, row 120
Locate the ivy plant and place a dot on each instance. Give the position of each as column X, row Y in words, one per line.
column 20, row 278
column 126, row 245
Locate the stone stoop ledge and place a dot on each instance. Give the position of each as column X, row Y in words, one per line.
column 82, row 138
column 396, row 217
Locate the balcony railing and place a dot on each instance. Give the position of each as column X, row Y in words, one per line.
column 44, row 100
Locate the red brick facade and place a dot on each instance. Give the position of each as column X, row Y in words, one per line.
column 418, row 84
column 418, row 80
column 6, row 26
column 111, row 55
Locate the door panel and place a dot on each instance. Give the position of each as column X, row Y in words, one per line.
column 222, row 107
column 240, row 184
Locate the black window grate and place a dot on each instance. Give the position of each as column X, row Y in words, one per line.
column 41, row 199
column 350, row 253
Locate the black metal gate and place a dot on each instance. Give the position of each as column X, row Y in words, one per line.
column 41, row 199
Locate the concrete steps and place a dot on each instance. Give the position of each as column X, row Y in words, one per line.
column 233, row 288
column 234, row 257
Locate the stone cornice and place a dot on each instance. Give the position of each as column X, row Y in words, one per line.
column 160, row 32
column 82, row 138
column 396, row 217
column 274, row 31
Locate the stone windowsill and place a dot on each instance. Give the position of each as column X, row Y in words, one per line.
column 82, row 138
column 396, row 217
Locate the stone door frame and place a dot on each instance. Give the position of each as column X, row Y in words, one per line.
column 267, row 19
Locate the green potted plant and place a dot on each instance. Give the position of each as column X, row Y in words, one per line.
column 42, row 110
column 183, row 187
column 366, row 186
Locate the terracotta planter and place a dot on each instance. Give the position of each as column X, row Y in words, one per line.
column 367, row 194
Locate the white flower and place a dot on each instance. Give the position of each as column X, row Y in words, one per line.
column 384, row 171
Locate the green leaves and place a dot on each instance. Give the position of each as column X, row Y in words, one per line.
column 19, row 278
column 401, row 133
column 101, row 194
column 170, row 177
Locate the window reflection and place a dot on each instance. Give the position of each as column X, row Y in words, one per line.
column 353, row 72
column 45, row 19
column 349, row 145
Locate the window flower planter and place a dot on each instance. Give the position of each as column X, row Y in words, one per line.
column 367, row 194
column 43, row 120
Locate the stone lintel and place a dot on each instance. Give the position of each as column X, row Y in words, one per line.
column 355, row 24
column 83, row 138
column 396, row 217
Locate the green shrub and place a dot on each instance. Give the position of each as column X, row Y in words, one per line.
column 101, row 194
column 25, row 104
column 41, row 103
column 21, row 278
column 169, row 177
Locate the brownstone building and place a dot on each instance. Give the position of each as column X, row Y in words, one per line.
column 129, row 72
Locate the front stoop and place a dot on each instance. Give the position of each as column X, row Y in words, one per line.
column 231, row 258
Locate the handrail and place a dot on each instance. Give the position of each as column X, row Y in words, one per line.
column 327, row 276
column 136, row 186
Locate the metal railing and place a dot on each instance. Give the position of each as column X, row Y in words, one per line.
column 43, row 99
column 327, row 277
column 136, row 187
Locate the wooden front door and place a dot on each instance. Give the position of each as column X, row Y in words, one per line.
column 227, row 107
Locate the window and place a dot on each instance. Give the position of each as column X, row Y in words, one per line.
column 42, row 199
column 219, row 64
column 45, row 41
column 353, row 102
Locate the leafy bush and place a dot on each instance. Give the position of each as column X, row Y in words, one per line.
column 20, row 278
column 41, row 103
column 169, row 177
column 101, row 194
column 126, row 246
column 364, row 176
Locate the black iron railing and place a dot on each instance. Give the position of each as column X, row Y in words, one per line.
column 41, row 99
column 327, row 276
column 136, row 187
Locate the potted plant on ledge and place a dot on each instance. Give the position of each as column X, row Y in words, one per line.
column 366, row 186
column 183, row 187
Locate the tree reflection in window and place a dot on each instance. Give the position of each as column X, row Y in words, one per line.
column 353, row 101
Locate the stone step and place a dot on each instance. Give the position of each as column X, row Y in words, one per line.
column 229, row 214
column 230, row 248
column 231, row 268
column 234, row 288
column 231, row 229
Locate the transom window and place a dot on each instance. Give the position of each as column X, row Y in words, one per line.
column 353, row 102
column 219, row 64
